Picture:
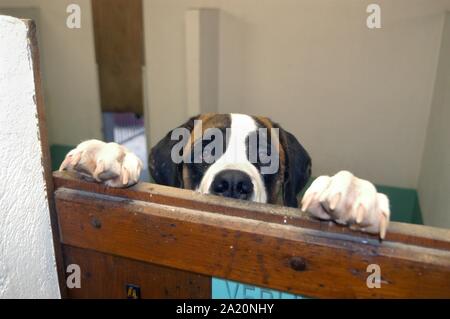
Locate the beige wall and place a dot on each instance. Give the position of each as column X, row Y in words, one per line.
column 434, row 182
column 358, row 99
column 69, row 70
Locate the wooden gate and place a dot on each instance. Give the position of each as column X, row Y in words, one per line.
column 170, row 242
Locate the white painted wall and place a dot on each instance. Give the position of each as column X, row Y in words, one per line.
column 358, row 99
column 434, row 182
column 71, row 91
column 27, row 261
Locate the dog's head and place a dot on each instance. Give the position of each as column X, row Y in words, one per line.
column 232, row 155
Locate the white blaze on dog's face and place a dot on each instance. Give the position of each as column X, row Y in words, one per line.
column 234, row 164
column 256, row 160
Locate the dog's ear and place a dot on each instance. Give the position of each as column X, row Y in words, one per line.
column 297, row 168
column 162, row 168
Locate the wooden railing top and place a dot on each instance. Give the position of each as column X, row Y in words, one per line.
column 421, row 235
column 260, row 244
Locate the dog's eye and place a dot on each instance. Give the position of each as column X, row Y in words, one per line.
column 208, row 155
column 204, row 154
column 264, row 151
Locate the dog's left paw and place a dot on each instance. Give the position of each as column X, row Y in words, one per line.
column 348, row 200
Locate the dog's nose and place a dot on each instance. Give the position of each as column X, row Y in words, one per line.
column 232, row 183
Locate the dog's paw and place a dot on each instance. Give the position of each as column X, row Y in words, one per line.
column 348, row 200
column 108, row 163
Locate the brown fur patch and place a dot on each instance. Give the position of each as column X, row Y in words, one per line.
column 208, row 120
column 273, row 196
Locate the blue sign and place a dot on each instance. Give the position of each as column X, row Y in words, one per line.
column 227, row 289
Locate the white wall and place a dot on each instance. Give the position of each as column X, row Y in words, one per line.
column 71, row 92
column 434, row 182
column 358, row 99
column 27, row 262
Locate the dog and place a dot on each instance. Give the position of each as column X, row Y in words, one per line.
column 242, row 157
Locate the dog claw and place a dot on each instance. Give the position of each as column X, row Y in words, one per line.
column 335, row 201
column 125, row 176
column 361, row 211
column 70, row 160
column 98, row 170
column 65, row 163
column 383, row 226
column 306, row 202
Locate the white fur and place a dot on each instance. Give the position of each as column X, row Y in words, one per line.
column 110, row 163
column 348, row 200
column 235, row 157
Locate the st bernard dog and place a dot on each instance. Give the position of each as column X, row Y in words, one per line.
column 242, row 157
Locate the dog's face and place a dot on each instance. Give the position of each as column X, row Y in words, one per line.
column 232, row 155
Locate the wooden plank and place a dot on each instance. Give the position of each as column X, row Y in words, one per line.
column 398, row 232
column 295, row 259
column 107, row 276
column 46, row 161
column 119, row 46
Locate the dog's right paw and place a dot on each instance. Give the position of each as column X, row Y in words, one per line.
column 108, row 163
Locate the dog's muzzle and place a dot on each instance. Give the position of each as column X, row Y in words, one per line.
column 232, row 183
